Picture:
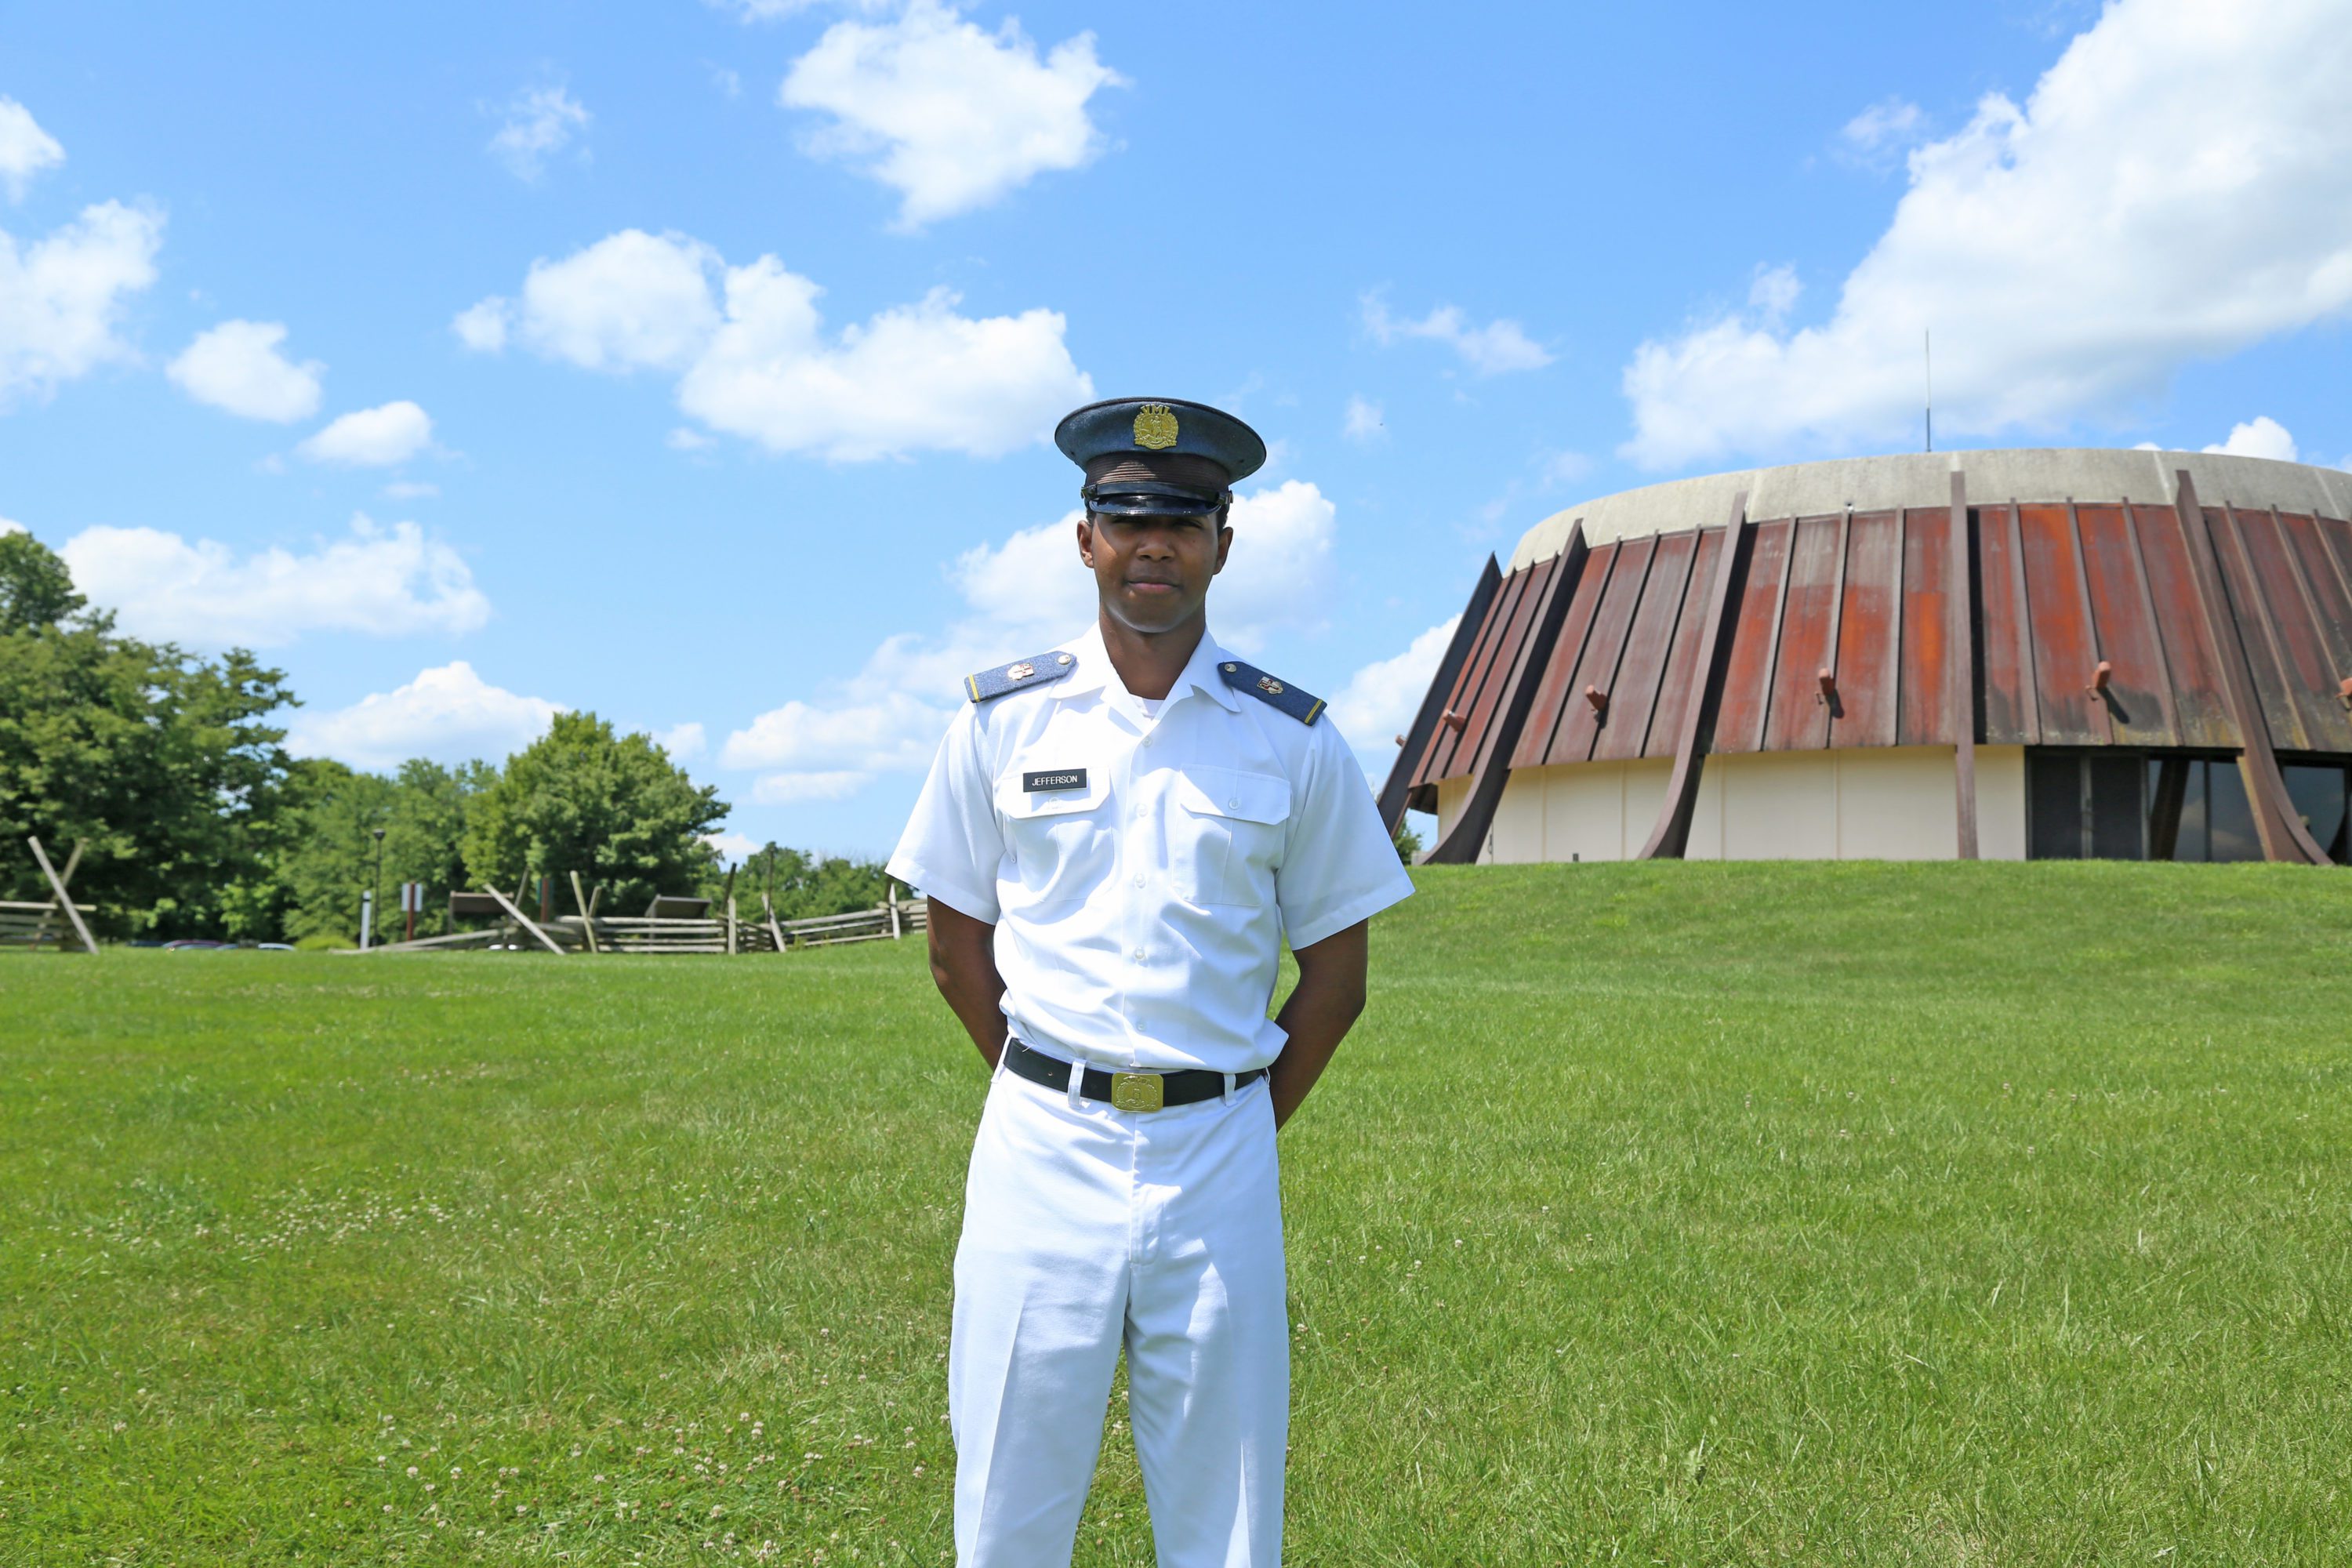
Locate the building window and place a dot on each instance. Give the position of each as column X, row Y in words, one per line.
column 2198, row 808
column 2086, row 806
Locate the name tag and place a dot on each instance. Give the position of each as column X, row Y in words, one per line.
column 1067, row 778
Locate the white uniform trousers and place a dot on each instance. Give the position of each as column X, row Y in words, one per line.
column 1087, row 1229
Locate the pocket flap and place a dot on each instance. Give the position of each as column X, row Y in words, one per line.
column 1229, row 792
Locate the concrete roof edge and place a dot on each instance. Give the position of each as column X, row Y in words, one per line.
column 1924, row 478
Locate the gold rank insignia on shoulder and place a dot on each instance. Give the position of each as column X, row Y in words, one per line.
column 1155, row 426
column 1302, row 706
column 1017, row 675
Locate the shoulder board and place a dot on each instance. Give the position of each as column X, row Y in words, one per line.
column 1302, row 706
column 1018, row 675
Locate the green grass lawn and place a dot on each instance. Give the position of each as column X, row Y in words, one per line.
column 1680, row 1214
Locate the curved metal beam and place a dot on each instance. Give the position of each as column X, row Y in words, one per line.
column 1461, row 847
column 2284, row 836
column 1398, row 787
column 1671, row 836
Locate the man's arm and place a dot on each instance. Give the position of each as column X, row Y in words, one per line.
column 1316, row 1014
column 963, row 967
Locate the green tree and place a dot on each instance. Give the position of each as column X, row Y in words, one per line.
column 332, row 853
column 425, row 837
column 613, row 808
column 164, row 763
column 806, row 885
column 36, row 588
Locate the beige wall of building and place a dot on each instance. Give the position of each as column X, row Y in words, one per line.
column 1879, row 804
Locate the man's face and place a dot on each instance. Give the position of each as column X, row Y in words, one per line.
column 1152, row 573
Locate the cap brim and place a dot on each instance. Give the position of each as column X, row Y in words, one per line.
column 1149, row 500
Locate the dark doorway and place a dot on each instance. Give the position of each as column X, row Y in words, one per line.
column 2086, row 806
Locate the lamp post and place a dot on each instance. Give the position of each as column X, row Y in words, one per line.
column 375, row 892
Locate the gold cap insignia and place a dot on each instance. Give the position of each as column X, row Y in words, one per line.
column 1155, row 426
column 1269, row 685
column 1021, row 671
column 1061, row 658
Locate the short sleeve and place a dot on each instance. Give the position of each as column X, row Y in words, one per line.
column 1339, row 866
column 954, row 844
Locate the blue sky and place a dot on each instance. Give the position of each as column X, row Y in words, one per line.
column 695, row 363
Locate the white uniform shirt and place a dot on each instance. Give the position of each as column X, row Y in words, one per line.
column 1139, row 917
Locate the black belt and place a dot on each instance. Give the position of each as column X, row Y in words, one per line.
column 1126, row 1090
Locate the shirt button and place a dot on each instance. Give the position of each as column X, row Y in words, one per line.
column 1138, row 881
column 1138, row 955
column 1233, row 806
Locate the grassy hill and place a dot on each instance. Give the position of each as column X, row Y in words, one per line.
column 1682, row 1214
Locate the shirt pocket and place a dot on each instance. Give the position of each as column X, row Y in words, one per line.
column 1060, row 838
column 1225, row 835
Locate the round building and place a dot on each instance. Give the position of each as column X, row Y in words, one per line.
column 2015, row 654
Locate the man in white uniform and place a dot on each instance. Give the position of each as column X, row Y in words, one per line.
column 1116, row 839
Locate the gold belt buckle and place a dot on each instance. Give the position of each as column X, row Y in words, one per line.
column 1138, row 1090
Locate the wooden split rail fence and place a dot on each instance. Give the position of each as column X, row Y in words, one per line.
column 58, row 919
column 731, row 933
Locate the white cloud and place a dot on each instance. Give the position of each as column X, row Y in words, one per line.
column 411, row 489
column 949, row 115
column 1364, row 420
column 1380, row 700
column 373, row 437
column 385, row 582
column 1878, row 136
column 2177, row 186
column 893, row 731
column 912, row 378
column 2260, row 436
column 793, row 789
column 449, row 714
column 26, row 150
column 237, row 366
column 1023, row 595
column 682, row 741
column 541, row 122
column 61, row 298
column 733, row 846
column 8, row 526
column 482, row 326
column 1499, row 346
column 633, row 301
column 686, row 439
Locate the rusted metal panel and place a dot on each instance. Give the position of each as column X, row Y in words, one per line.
column 1647, row 641
column 2005, row 649
column 1481, row 679
column 1670, row 835
column 1547, row 598
column 1959, row 567
column 2282, row 831
column 2138, row 697
column 1552, row 691
column 2257, row 631
column 2199, row 696
column 1604, row 648
column 1869, row 664
column 1690, row 633
column 1924, row 716
column 2066, row 647
column 1396, row 794
column 1755, row 641
column 1799, row 718
column 2329, row 585
column 1526, row 664
column 2294, row 618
